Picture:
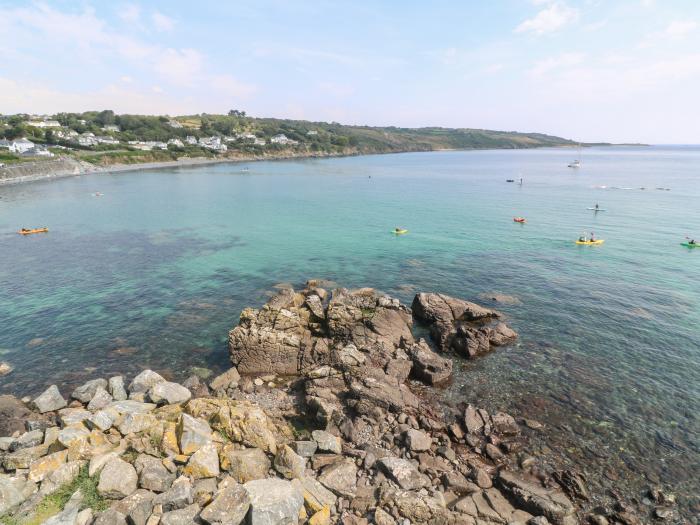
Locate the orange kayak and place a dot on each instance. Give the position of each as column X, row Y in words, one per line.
column 25, row 231
column 521, row 220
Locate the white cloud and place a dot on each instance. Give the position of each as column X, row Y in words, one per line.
column 680, row 28
column 552, row 18
column 230, row 86
column 162, row 22
column 559, row 62
column 130, row 13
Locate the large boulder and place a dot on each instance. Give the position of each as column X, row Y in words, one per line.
column 428, row 366
column 118, row 480
column 49, row 400
column 165, row 392
column 340, row 477
column 13, row 491
column 12, row 415
column 244, row 464
column 273, row 502
column 84, row 393
column 538, row 500
column 144, row 381
column 462, row 326
column 404, row 473
column 229, row 506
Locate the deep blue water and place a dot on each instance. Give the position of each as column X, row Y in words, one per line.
column 155, row 272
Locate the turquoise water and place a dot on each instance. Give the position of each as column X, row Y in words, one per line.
column 155, row 272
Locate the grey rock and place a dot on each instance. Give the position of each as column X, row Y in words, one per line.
column 417, row 441
column 144, row 381
column 85, row 392
column 204, row 463
column 69, row 514
column 69, row 435
column 177, row 497
column 473, row 421
column 246, row 464
column 225, row 379
column 340, row 477
column 305, row 449
column 316, row 494
column 101, row 399
column 23, row 458
column 133, row 423
column 6, row 443
column 273, row 502
column 28, row 439
column 49, row 400
column 165, row 392
column 14, row 490
column 118, row 479
column 289, row 463
column 116, row 388
column 229, row 506
column 130, row 406
column 63, row 475
column 186, row 516
column 110, row 517
column 327, row 442
column 137, row 507
column 152, row 474
column 103, row 419
column 404, row 473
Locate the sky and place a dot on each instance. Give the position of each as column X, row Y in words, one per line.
column 590, row 70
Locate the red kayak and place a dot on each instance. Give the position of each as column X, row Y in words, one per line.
column 521, row 220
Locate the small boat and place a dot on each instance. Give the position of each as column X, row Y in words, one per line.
column 26, row 231
column 597, row 242
column 689, row 245
column 97, row 194
column 510, row 180
column 521, row 220
column 399, row 231
column 576, row 163
column 597, row 209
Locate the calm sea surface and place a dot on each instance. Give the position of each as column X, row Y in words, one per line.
column 156, row 271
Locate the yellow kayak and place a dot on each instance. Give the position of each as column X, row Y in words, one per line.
column 399, row 232
column 25, row 231
column 591, row 243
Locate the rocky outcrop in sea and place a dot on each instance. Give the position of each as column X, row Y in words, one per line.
column 329, row 415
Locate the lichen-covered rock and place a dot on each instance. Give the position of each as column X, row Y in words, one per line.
column 316, row 496
column 204, row 463
column 229, row 506
column 240, row 421
column 118, row 479
column 192, row 434
column 244, row 464
column 177, row 497
column 133, row 423
column 49, row 400
column 289, row 463
column 223, row 381
column 116, row 388
column 42, row 467
column 137, row 507
column 327, row 442
column 23, row 457
column 273, row 502
column 100, row 400
column 61, row 476
column 186, row 516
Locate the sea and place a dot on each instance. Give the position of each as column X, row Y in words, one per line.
column 151, row 268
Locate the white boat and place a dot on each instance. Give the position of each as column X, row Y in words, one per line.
column 576, row 163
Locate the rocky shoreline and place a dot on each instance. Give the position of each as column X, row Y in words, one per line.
column 331, row 414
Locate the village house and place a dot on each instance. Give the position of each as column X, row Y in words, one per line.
column 259, row 142
column 87, row 139
column 20, row 145
column 312, row 132
column 38, row 151
column 67, row 135
column 106, row 140
column 191, row 140
column 111, row 127
column 282, row 139
column 176, row 142
column 174, row 124
column 44, row 124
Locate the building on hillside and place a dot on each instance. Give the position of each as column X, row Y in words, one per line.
column 87, row 139
column 174, row 124
column 246, row 136
column 259, row 142
column 38, row 151
column 4, row 144
column 283, row 139
column 111, row 127
column 20, row 145
column 176, row 142
column 192, row 141
column 44, row 123
column 67, row 134
column 213, row 143
column 312, row 132
column 106, row 140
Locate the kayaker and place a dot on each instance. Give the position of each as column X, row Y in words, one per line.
column 592, row 239
column 596, row 206
column 692, row 241
column 582, row 238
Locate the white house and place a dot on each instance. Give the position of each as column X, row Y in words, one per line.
column 312, row 132
column 176, row 142
column 38, row 151
column 21, row 145
column 111, row 127
column 213, row 143
column 282, row 139
column 4, row 143
column 259, row 142
column 44, row 124
column 87, row 139
column 191, row 140
column 174, row 124
column 106, row 140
